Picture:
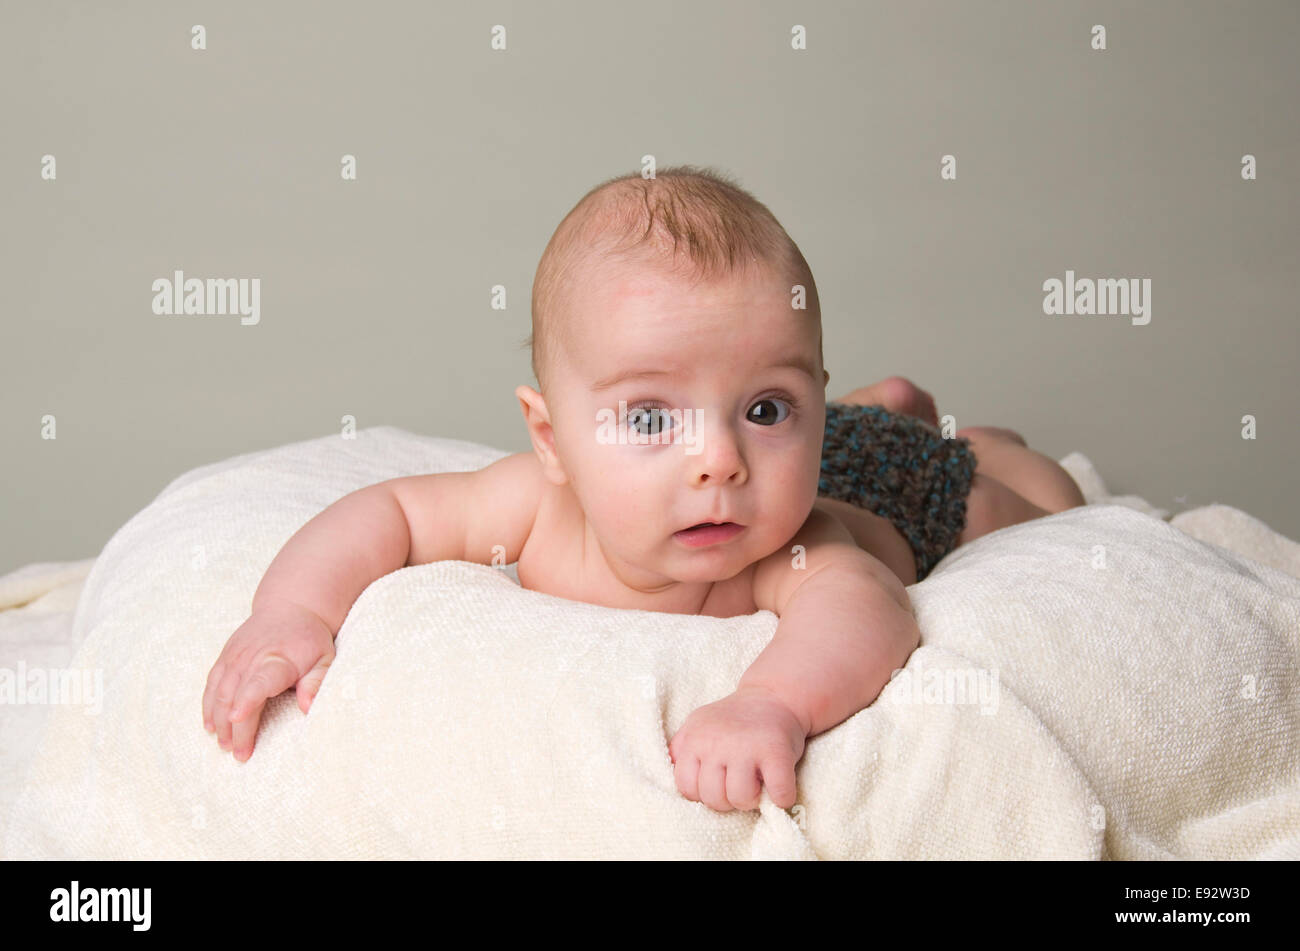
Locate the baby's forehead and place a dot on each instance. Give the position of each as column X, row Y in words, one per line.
column 637, row 308
column 608, row 289
column 678, row 348
column 610, row 277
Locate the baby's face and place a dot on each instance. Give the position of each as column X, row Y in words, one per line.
column 732, row 383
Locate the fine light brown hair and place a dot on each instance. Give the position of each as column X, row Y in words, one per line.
column 688, row 214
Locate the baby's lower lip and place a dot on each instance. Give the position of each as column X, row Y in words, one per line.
column 707, row 535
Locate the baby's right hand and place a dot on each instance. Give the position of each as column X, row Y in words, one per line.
column 281, row 644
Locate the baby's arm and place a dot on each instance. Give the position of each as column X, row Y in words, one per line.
column 311, row 585
column 845, row 625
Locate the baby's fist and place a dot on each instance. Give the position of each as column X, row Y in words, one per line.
column 728, row 750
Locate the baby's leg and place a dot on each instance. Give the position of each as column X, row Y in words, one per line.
column 991, row 505
column 898, row 395
column 1034, row 476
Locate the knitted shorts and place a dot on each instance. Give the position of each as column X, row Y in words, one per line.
column 900, row 468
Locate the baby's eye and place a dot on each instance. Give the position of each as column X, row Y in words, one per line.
column 649, row 420
column 766, row 418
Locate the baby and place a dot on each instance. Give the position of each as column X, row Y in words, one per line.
column 677, row 465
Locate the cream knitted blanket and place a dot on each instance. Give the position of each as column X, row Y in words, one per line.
column 1097, row 684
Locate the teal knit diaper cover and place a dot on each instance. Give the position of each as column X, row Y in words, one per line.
column 901, row 469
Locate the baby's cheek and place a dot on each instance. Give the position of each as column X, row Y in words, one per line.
column 788, row 514
column 627, row 517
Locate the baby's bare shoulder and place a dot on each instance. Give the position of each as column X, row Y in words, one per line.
column 503, row 507
column 464, row 516
column 823, row 540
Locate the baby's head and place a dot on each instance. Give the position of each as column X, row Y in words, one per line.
column 689, row 282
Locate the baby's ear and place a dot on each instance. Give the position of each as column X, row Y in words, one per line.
column 538, row 420
column 826, row 374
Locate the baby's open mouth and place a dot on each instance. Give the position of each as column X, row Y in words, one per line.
column 708, row 533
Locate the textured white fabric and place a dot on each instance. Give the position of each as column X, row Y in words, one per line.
column 1145, row 705
column 36, row 605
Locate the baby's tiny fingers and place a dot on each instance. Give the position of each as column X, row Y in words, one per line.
column 226, row 691
column 687, row 775
column 210, row 694
column 778, row 777
column 743, row 785
column 713, row 786
column 244, row 733
column 272, row 677
column 309, row 685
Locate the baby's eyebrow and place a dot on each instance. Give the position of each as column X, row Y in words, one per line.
column 626, row 375
column 792, row 362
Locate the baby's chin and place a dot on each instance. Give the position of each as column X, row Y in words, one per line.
column 694, row 569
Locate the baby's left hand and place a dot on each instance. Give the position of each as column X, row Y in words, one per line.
column 727, row 750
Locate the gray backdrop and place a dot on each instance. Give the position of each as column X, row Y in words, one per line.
column 376, row 293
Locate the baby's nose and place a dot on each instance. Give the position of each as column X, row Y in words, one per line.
column 719, row 458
